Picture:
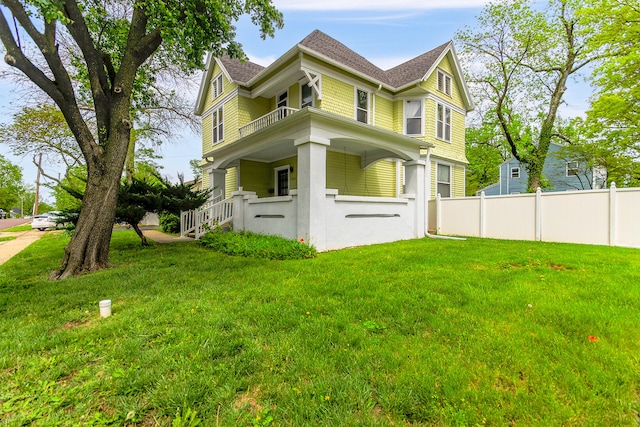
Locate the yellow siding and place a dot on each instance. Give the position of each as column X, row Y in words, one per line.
column 345, row 175
column 228, row 87
column 384, row 113
column 337, row 97
column 205, row 180
column 251, row 109
column 231, row 181
column 431, row 84
column 260, row 177
column 398, row 116
column 256, row 176
column 207, row 134
column 294, row 95
column 457, row 186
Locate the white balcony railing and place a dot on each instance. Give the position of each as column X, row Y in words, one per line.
column 265, row 121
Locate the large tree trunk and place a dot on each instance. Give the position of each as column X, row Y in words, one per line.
column 88, row 249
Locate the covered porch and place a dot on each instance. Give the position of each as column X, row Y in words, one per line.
column 313, row 192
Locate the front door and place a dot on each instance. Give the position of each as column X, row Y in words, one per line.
column 282, row 181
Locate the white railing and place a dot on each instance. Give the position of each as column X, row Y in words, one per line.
column 213, row 216
column 265, row 121
column 189, row 219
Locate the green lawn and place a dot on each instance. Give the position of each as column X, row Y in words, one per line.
column 424, row 332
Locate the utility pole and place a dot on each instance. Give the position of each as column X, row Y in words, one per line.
column 37, row 201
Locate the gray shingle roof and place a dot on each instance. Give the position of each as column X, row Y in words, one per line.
column 416, row 68
column 409, row 72
column 240, row 72
column 331, row 48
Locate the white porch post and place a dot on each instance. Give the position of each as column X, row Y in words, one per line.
column 217, row 181
column 312, row 179
column 415, row 184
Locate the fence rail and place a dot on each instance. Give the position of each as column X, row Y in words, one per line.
column 601, row 217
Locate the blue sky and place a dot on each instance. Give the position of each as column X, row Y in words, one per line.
column 385, row 32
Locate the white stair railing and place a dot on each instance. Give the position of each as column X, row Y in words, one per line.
column 213, row 216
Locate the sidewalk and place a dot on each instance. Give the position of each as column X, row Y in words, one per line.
column 160, row 237
column 10, row 248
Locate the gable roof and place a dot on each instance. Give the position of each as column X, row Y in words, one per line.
column 328, row 49
column 240, row 72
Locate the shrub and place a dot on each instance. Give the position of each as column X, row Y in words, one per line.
column 169, row 223
column 255, row 245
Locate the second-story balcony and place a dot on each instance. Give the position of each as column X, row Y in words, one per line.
column 265, row 121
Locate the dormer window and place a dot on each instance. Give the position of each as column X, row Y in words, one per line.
column 515, row 172
column 362, row 106
column 216, row 86
column 444, row 82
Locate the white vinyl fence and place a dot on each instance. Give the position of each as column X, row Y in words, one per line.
column 601, row 217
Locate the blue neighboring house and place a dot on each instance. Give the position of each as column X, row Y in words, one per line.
column 563, row 175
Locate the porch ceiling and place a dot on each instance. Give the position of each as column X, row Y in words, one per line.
column 345, row 135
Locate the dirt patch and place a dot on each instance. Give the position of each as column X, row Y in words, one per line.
column 248, row 399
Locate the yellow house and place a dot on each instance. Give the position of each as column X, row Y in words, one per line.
column 325, row 147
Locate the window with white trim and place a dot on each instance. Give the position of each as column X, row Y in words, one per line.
column 413, row 117
column 444, row 82
column 283, row 100
column 443, row 122
column 362, row 106
column 306, row 96
column 216, row 86
column 282, row 180
column 572, row 168
column 443, row 180
column 515, row 172
column 218, row 126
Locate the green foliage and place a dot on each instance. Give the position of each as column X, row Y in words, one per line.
column 485, row 333
column 186, row 418
column 520, row 58
column 170, row 223
column 612, row 127
column 485, row 151
column 255, row 245
column 11, row 187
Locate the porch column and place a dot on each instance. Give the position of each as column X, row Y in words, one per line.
column 415, row 184
column 312, row 184
column 217, row 181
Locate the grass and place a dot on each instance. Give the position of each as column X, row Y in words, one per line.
column 24, row 227
column 6, row 238
column 423, row 332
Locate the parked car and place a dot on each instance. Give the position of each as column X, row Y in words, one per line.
column 47, row 220
column 3, row 215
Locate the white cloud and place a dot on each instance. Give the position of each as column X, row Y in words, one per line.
column 265, row 61
column 376, row 4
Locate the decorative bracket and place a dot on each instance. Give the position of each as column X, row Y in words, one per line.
column 315, row 82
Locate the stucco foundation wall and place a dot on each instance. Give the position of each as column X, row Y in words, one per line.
column 358, row 221
column 272, row 215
